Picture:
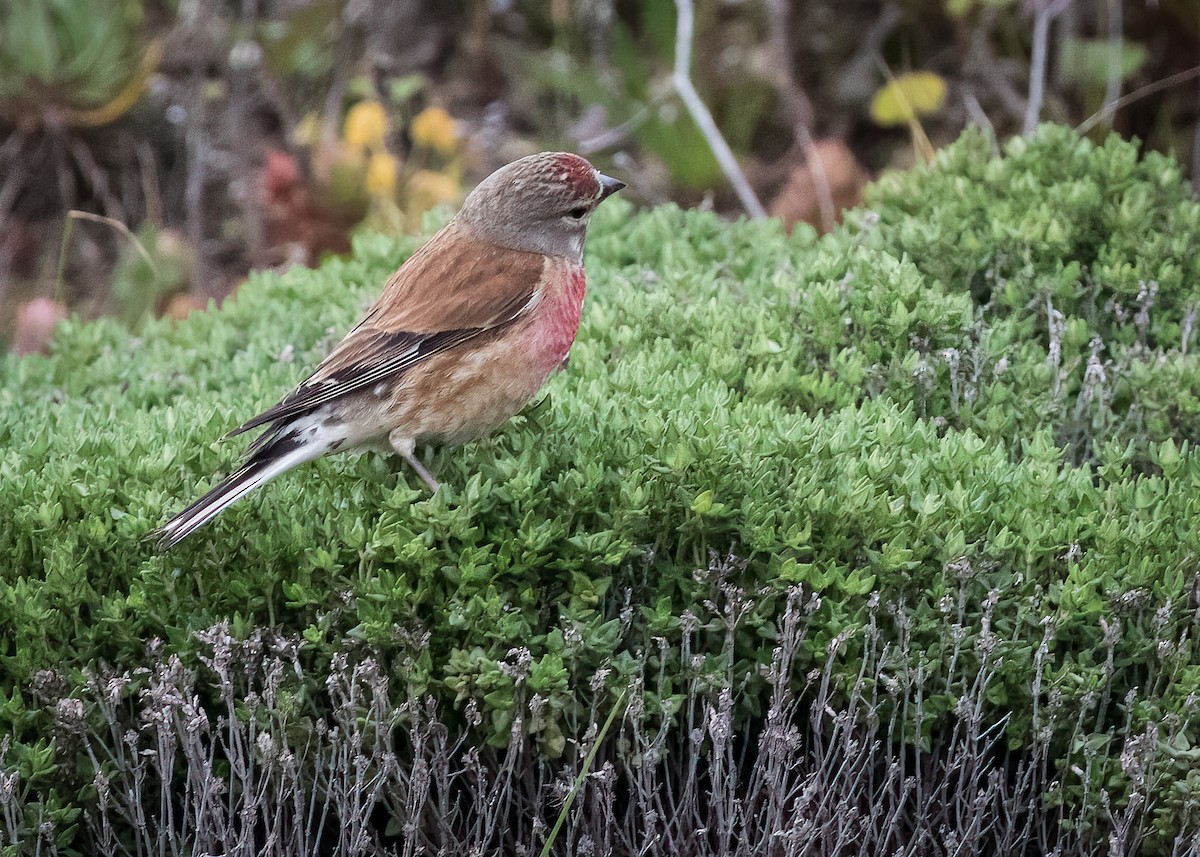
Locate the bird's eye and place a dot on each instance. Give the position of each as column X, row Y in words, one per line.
column 579, row 212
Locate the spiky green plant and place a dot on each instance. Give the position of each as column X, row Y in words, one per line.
column 71, row 57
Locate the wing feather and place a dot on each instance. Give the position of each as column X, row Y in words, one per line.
column 451, row 291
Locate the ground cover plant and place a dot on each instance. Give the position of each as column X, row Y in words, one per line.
column 875, row 542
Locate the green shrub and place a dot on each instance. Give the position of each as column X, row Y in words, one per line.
column 975, row 405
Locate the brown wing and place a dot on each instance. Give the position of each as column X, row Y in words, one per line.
column 452, row 290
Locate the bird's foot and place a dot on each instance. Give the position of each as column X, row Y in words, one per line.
column 404, row 446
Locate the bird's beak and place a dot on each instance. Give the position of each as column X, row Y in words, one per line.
column 608, row 186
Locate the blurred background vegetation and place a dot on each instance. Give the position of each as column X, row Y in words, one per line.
column 152, row 152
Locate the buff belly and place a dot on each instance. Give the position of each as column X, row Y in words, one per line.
column 451, row 399
column 476, row 393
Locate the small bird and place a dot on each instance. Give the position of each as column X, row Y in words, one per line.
column 463, row 336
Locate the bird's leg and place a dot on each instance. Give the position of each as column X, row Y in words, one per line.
column 404, row 446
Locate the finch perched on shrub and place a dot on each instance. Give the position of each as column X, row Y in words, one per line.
column 463, row 336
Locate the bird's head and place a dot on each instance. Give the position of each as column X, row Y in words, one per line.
column 541, row 204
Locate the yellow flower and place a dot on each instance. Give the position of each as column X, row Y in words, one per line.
column 904, row 98
column 427, row 189
column 308, row 131
column 366, row 125
column 434, row 128
column 381, row 174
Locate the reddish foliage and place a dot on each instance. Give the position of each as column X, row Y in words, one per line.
column 830, row 171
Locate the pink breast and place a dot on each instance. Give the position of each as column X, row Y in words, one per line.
column 557, row 318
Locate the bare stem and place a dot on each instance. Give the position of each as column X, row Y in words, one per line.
column 1138, row 94
column 1112, row 88
column 699, row 111
column 1037, row 67
column 1045, row 11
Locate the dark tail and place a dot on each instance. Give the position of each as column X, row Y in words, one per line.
column 277, row 455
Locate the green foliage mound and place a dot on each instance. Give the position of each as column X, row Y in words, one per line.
column 976, row 405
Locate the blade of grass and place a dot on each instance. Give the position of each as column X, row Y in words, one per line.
column 62, row 257
column 1142, row 92
column 587, row 764
column 75, row 214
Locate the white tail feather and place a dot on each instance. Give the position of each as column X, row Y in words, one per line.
column 261, row 468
